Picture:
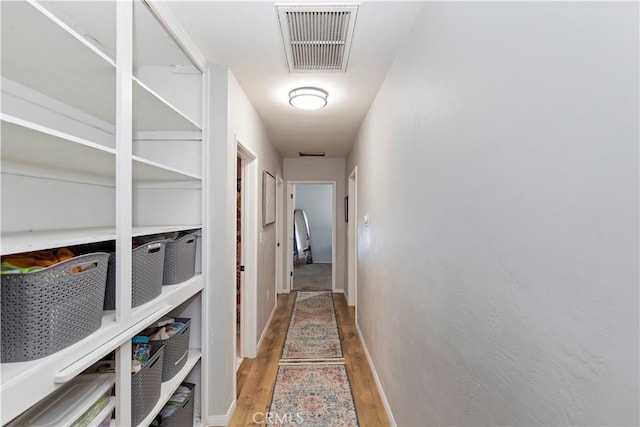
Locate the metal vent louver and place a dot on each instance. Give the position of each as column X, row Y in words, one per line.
column 317, row 38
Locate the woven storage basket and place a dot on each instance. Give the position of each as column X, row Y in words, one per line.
column 183, row 416
column 146, row 386
column 180, row 259
column 48, row 310
column 176, row 350
column 147, row 267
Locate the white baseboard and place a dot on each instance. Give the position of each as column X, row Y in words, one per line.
column 383, row 396
column 222, row 420
column 266, row 328
column 338, row 291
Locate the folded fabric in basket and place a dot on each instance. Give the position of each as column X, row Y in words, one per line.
column 166, row 332
column 176, row 401
column 33, row 261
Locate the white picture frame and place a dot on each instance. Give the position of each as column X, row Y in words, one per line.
column 268, row 198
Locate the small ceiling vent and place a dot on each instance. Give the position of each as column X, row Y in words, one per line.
column 317, row 38
column 311, row 153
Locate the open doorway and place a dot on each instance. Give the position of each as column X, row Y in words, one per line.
column 313, row 237
column 239, row 266
column 247, row 254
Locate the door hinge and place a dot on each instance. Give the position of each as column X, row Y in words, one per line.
column 292, row 274
column 242, row 268
column 292, row 195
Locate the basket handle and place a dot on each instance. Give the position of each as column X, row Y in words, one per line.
column 181, row 357
column 187, row 399
column 154, row 247
column 83, row 267
column 154, row 362
column 190, row 240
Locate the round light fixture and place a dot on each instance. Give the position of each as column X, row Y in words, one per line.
column 308, row 98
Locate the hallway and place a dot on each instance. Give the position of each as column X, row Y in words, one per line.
column 256, row 377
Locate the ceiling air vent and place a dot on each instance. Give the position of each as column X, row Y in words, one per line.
column 311, row 153
column 317, row 38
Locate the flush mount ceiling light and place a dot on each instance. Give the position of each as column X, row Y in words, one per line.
column 308, row 98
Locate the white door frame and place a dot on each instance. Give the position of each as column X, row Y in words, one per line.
column 290, row 208
column 279, row 243
column 249, row 282
column 352, row 240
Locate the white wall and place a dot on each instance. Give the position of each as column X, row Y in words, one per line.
column 498, row 276
column 232, row 117
column 247, row 127
column 324, row 169
column 316, row 201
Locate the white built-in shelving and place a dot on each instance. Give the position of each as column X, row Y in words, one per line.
column 65, row 170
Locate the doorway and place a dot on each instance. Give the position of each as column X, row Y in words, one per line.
column 247, row 254
column 312, row 230
column 239, row 265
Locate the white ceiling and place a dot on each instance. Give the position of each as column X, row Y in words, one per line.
column 245, row 36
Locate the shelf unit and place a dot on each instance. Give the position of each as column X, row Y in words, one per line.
column 72, row 177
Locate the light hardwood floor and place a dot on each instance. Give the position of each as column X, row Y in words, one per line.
column 256, row 377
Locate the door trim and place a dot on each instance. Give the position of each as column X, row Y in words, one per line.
column 249, row 282
column 352, row 241
column 289, row 227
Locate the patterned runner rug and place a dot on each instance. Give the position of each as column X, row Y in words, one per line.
column 312, row 395
column 313, row 330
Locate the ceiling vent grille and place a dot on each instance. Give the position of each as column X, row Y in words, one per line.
column 311, row 153
column 317, row 38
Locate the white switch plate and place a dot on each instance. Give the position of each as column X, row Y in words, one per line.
column 366, row 220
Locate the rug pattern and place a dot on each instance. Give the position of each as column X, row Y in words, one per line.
column 313, row 330
column 312, row 395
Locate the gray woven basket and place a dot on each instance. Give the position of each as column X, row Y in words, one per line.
column 146, row 386
column 147, row 267
column 183, row 416
column 176, row 350
column 45, row 311
column 180, row 259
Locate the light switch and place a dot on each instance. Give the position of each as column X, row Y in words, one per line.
column 366, row 220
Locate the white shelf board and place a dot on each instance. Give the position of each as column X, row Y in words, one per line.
column 104, row 413
column 172, row 296
column 25, row 383
column 21, row 381
column 146, row 230
column 149, row 171
column 169, row 387
column 35, row 145
column 55, row 60
column 37, row 240
column 153, row 113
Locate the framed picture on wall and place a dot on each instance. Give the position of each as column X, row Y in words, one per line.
column 268, row 198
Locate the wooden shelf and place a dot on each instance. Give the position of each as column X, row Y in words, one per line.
column 55, row 60
column 25, row 142
column 152, row 113
column 149, row 171
column 169, row 387
column 38, row 378
column 33, row 378
column 161, row 229
column 46, row 239
column 26, row 241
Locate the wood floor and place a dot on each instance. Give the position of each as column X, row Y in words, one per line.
column 256, row 377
